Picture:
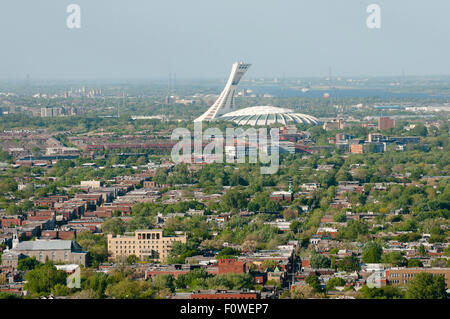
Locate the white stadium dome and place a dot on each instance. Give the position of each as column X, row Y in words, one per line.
column 267, row 115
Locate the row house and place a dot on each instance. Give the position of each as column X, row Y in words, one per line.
column 107, row 194
column 176, row 270
column 41, row 215
column 58, row 234
column 41, row 224
column 70, row 209
column 108, row 210
column 29, row 232
column 50, row 201
column 92, row 199
column 129, row 180
column 91, row 224
column 11, row 221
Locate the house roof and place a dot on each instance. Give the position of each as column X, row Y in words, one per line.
column 47, row 245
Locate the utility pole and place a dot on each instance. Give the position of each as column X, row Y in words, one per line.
column 28, row 83
column 330, row 83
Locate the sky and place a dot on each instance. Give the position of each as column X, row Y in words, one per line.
column 141, row 39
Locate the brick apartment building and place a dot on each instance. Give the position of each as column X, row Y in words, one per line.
column 8, row 221
column 401, row 276
column 385, row 123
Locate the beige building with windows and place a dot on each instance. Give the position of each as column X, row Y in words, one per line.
column 145, row 244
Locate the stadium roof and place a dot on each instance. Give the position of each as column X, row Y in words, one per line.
column 267, row 115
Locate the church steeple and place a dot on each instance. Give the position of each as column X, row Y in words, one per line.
column 15, row 241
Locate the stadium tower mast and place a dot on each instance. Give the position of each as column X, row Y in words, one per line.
column 225, row 101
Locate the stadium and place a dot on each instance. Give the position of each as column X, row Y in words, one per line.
column 224, row 107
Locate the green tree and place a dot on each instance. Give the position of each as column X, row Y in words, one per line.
column 192, row 279
column 115, row 226
column 440, row 262
column 413, row 262
column 270, row 265
column 353, row 230
column 385, row 292
column 426, row 286
column 132, row 259
column 313, row 282
column 421, row 250
column 180, row 251
column 125, row 289
column 161, row 282
column 96, row 283
column 273, row 207
column 334, row 282
column 319, row 261
column 43, row 278
column 228, row 252
column 395, row 258
column 7, row 295
column 28, row 263
column 234, row 200
column 340, row 217
column 60, row 290
column 372, row 253
column 348, row 263
column 295, row 226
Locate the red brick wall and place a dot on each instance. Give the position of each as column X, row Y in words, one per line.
column 231, row 266
column 6, row 222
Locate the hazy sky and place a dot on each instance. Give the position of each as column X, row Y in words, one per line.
column 121, row 39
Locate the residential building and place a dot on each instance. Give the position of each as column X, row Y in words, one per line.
column 145, row 244
column 385, row 123
column 401, row 276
